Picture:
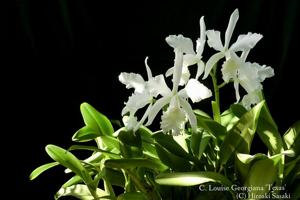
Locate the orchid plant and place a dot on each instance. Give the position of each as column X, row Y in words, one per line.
column 194, row 155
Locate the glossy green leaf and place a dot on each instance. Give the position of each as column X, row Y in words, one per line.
column 232, row 115
column 115, row 177
column 147, row 141
column 132, row 196
column 110, row 142
column 72, row 181
column 211, row 126
column 240, row 137
column 171, row 160
column 131, row 163
column 199, row 142
column 292, row 138
column 268, row 131
column 238, row 110
column 80, row 191
column 35, row 173
column 243, row 164
column 262, row 173
column 130, row 138
column 95, row 149
column 168, row 142
column 96, row 120
column 247, row 159
column 195, row 141
column 68, row 160
column 201, row 113
column 85, row 134
column 191, row 178
column 290, row 172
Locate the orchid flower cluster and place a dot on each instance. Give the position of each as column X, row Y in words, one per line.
column 174, row 102
column 194, row 151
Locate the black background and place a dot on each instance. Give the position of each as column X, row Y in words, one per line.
column 69, row 52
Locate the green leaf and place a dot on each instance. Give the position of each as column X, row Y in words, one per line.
column 243, row 164
column 68, row 160
column 131, row 163
column 201, row 113
column 168, row 142
column 238, row 110
column 240, row 137
column 81, row 191
column 85, row 134
column 114, row 177
column 211, row 126
column 110, row 142
column 292, row 138
column 35, row 173
column 191, row 178
column 268, row 131
column 130, row 138
column 173, row 161
column 199, row 142
column 96, row 120
column 262, row 174
column 195, row 141
column 72, row 181
column 231, row 116
column 132, row 196
column 95, row 149
column 290, row 171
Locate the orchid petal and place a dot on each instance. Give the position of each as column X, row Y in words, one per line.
column 143, row 118
column 136, row 101
column 181, row 43
column 214, row 40
column 231, row 25
column 132, row 80
column 173, row 119
column 263, row 71
column 200, row 69
column 201, row 41
column 236, row 88
column 158, row 105
column 244, row 55
column 189, row 112
column 229, row 70
column 149, row 73
column 246, row 42
column 250, row 99
column 157, row 85
column 178, row 63
column 169, row 72
column 130, row 122
column 190, row 59
column 197, row 91
column 211, row 62
column 248, row 77
column 184, row 76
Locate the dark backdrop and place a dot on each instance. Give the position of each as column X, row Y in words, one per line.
column 68, row 52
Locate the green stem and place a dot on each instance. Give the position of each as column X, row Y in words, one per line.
column 216, row 103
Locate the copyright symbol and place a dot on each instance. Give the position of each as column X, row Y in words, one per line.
column 241, row 196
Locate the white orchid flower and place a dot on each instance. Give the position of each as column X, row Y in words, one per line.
column 179, row 110
column 144, row 92
column 243, row 43
column 248, row 75
column 190, row 56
